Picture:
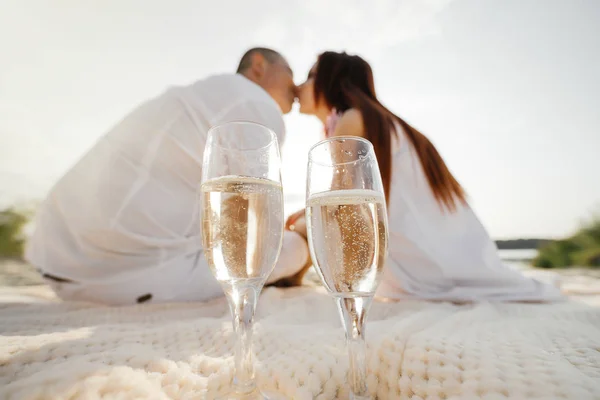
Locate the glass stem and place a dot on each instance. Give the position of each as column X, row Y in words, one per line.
column 242, row 302
column 353, row 311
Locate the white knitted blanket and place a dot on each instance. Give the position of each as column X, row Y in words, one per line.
column 417, row 350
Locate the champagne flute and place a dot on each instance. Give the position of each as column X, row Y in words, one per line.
column 347, row 235
column 242, row 228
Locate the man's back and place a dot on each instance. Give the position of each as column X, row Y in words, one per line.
column 130, row 202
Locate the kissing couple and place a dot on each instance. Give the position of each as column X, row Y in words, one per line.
column 122, row 225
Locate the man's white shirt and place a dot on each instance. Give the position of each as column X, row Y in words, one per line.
column 131, row 202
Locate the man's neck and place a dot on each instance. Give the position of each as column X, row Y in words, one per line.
column 249, row 77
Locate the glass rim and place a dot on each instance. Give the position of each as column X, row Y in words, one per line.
column 334, row 139
column 214, row 128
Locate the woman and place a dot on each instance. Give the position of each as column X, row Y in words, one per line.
column 438, row 249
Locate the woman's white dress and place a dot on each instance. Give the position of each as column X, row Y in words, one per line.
column 442, row 255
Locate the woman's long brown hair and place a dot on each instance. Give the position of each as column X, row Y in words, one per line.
column 346, row 81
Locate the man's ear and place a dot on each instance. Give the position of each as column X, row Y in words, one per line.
column 258, row 66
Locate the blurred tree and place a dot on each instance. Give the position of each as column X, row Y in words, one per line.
column 12, row 240
column 581, row 249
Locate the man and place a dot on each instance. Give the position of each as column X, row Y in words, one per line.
column 122, row 226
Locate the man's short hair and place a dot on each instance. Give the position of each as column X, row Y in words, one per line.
column 246, row 61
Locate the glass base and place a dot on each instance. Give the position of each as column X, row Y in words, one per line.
column 355, row 397
column 254, row 395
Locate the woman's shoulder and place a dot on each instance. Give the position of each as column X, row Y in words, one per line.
column 352, row 116
column 349, row 123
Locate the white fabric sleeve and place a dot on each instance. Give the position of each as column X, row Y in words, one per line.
column 293, row 257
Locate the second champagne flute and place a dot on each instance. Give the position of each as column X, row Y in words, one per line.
column 347, row 231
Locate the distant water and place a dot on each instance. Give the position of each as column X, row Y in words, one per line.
column 518, row 254
column 518, row 258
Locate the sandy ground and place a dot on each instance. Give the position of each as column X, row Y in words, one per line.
column 17, row 273
column 580, row 283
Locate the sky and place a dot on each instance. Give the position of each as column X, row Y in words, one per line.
column 507, row 90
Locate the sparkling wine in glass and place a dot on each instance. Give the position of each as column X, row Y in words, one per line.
column 242, row 228
column 348, row 236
